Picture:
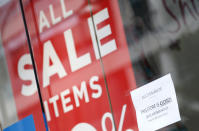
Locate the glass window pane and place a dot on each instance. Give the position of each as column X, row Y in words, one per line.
column 8, row 113
column 17, row 76
column 70, row 75
column 162, row 38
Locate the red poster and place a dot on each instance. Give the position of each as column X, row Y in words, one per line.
column 19, row 64
column 71, row 78
column 82, row 61
column 117, row 66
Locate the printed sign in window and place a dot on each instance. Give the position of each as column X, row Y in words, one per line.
column 156, row 104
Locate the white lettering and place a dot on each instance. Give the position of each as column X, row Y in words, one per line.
column 56, row 67
column 27, row 75
column 52, row 15
column 54, row 101
column 63, row 7
column 102, row 33
column 43, row 21
column 95, row 87
column 80, row 94
column 66, row 101
column 47, row 111
column 75, row 62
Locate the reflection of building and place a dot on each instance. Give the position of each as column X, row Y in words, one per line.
column 140, row 17
column 142, row 12
column 172, row 47
column 7, row 107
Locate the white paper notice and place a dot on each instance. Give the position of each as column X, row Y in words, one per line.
column 156, row 104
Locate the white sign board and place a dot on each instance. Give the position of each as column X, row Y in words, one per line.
column 156, row 104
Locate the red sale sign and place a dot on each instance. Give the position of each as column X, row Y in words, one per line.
column 70, row 75
column 117, row 66
column 82, row 61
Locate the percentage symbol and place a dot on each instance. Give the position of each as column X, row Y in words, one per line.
column 122, row 119
column 121, row 123
column 108, row 115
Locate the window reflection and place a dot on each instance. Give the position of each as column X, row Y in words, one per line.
column 163, row 38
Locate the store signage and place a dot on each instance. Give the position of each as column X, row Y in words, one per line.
column 78, row 89
column 156, row 104
column 76, row 63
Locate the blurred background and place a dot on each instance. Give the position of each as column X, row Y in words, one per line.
column 163, row 38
